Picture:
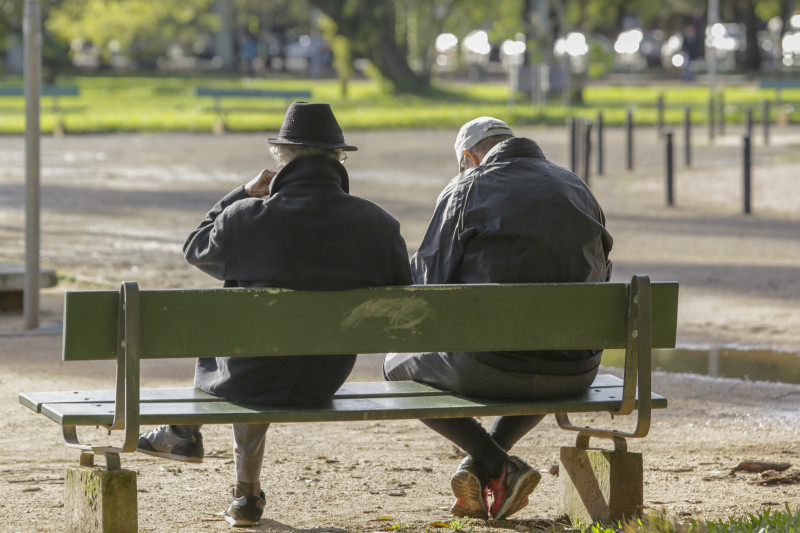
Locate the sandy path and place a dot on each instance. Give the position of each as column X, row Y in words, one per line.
column 118, row 207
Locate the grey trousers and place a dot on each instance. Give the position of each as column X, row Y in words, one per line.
column 249, row 442
column 465, row 375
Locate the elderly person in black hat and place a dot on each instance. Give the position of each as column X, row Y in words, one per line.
column 510, row 216
column 297, row 228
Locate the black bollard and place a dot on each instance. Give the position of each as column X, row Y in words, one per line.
column 572, row 127
column 670, row 170
column 748, row 124
column 765, row 120
column 587, row 150
column 747, row 176
column 599, row 143
column 687, row 136
column 629, row 135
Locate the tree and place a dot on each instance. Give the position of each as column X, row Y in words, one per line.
column 371, row 28
column 142, row 27
column 54, row 49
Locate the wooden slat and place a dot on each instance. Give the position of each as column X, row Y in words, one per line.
column 377, row 408
column 244, row 93
column 211, row 323
column 35, row 400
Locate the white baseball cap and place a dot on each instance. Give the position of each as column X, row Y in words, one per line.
column 477, row 130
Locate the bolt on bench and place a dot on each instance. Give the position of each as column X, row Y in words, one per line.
column 133, row 324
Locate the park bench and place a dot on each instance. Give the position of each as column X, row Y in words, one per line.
column 218, row 94
column 54, row 91
column 778, row 84
column 130, row 325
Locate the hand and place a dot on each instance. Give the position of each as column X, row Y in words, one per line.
column 258, row 187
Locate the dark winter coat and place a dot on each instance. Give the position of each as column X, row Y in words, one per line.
column 308, row 234
column 517, row 218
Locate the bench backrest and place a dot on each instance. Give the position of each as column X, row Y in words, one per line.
column 47, row 90
column 249, row 322
column 261, row 93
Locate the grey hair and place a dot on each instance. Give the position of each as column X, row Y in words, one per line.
column 283, row 153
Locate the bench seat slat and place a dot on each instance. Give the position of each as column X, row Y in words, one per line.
column 353, row 389
column 346, row 409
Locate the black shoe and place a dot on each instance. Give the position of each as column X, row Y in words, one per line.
column 163, row 442
column 245, row 510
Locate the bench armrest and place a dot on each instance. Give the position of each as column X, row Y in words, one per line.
column 637, row 370
column 126, row 405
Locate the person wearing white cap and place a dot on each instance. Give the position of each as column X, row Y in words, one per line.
column 510, row 216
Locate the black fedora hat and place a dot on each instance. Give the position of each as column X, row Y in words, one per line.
column 310, row 124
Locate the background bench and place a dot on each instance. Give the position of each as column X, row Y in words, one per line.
column 131, row 325
column 55, row 91
column 218, row 94
column 778, row 84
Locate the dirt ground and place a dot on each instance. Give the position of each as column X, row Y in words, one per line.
column 118, row 207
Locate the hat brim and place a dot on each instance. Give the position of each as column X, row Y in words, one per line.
column 311, row 142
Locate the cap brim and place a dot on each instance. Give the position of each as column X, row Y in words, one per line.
column 316, row 144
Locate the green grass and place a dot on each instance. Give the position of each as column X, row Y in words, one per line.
column 768, row 521
column 162, row 103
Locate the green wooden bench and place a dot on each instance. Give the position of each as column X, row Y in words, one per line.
column 218, row 94
column 54, row 91
column 778, row 84
column 132, row 324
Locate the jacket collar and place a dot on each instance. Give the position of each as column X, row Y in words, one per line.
column 310, row 169
column 514, row 147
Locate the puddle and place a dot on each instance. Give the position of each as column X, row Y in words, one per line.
column 756, row 365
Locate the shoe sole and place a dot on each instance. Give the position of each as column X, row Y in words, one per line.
column 240, row 522
column 173, row 457
column 467, row 488
column 518, row 498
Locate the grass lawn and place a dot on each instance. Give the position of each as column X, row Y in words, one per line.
column 158, row 103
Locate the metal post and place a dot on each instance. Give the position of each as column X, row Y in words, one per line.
column 687, row 136
column 747, row 169
column 32, row 30
column 711, row 118
column 599, row 143
column 721, row 113
column 573, row 144
column 660, row 113
column 587, row 150
column 748, row 125
column 629, row 138
column 670, row 170
column 765, row 120
column 711, row 52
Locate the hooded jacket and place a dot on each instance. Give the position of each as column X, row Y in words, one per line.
column 517, row 218
column 308, row 234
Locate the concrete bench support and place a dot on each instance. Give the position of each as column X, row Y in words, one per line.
column 100, row 501
column 600, row 485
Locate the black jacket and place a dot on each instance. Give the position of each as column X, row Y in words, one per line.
column 309, row 234
column 517, row 218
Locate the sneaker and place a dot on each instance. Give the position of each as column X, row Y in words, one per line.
column 511, row 490
column 245, row 510
column 163, row 442
column 469, row 486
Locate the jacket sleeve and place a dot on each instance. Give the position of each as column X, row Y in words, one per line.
column 402, row 270
column 441, row 251
column 205, row 246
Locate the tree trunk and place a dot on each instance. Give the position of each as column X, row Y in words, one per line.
column 370, row 27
